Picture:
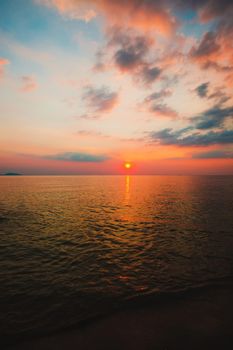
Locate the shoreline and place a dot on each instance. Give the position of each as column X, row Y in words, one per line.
column 198, row 319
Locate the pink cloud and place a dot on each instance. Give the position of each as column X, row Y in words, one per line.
column 215, row 49
column 154, row 103
column 100, row 100
column 76, row 9
column 3, row 62
column 211, row 9
column 91, row 133
column 163, row 110
column 145, row 15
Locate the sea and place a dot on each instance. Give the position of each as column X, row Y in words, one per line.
column 75, row 247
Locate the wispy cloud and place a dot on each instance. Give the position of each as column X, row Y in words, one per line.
column 180, row 137
column 90, row 133
column 207, row 47
column 217, row 94
column 28, row 83
column 100, row 100
column 22, row 50
column 163, row 110
column 78, row 157
column 213, row 117
column 155, row 96
column 155, row 104
column 217, row 154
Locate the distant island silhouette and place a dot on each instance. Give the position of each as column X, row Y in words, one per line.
column 11, row 174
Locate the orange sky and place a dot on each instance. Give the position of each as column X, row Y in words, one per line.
column 88, row 85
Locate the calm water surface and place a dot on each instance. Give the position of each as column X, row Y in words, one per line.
column 71, row 246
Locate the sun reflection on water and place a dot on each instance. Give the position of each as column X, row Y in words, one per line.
column 127, row 190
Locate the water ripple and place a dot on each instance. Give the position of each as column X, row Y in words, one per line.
column 71, row 246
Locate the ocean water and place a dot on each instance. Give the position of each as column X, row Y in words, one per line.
column 73, row 246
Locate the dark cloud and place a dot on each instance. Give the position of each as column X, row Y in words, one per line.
column 155, row 104
column 213, row 117
column 214, row 155
column 131, row 48
column 215, row 49
column 163, row 110
column 150, row 74
column 206, row 47
column 216, row 66
column 78, row 157
column 100, row 100
column 167, row 136
column 202, row 90
column 130, row 52
column 198, row 133
column 127, row 59
column 181, row 138
column 219, row 96
column 211, row 9
column 207, row 9
column 158, row 95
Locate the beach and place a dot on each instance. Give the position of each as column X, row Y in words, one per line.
column 201, row 319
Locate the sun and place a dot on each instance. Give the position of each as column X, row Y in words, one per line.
column 127, row 165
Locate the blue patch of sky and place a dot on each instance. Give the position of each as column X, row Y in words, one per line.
column 37, row 25
column 190, row 24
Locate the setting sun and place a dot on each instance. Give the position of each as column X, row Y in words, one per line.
column 127, row 165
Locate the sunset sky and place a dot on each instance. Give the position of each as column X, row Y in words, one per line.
column 86, row 85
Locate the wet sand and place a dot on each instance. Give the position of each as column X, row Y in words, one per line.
column 200, row 320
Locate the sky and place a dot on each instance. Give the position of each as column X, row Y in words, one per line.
column 86, row 85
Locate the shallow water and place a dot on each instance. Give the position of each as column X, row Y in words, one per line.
column 73, row 246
